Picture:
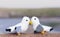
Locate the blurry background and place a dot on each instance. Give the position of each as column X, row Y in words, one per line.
column 40, row 12
column 12, row 11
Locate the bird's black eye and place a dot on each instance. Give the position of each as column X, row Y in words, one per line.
column 26, row 20
column 34, row 18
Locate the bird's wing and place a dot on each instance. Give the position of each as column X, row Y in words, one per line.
column 46, row 28
column 39, row 28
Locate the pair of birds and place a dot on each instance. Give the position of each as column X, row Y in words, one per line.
column 24, row 24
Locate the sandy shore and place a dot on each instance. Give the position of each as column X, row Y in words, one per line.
column 32, row 35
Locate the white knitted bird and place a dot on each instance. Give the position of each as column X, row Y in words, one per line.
column 20, row 27
column 39, row 27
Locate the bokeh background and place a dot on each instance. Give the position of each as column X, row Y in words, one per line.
column 19, row 12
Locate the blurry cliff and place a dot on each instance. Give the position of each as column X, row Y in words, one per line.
column 40, row 12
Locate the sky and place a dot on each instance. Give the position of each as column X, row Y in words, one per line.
column 29, row 3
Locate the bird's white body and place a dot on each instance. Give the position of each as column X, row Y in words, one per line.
column 23, row 26
column 46, row 28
